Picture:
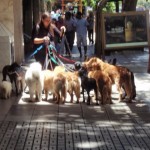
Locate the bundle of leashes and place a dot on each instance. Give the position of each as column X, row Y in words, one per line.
column 54, row 56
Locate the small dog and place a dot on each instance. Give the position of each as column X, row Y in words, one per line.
column 59, row 69
column 48, row 82
column 73, row 85
column 56, row 83
column 104, row 85
column 60, row 87
column 87, row 84
column 5, row 89
column 34, row 80
column 16, row 75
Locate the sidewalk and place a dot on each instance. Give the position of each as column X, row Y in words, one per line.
column 45, row 125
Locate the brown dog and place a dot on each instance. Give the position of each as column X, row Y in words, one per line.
column 55, row 83
column 104, row 85
column 60, row 87
column 73, row 85
column 118, row 75
column 59, row 69
column 48, row 82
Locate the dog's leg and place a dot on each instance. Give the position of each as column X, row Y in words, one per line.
column 83, row 95
column 15, row 81
column 31, row 91
column 46, row 94
column 89, row 98
column 118, row 85
column 71, row 95
column 77, row 93
column 96, row 95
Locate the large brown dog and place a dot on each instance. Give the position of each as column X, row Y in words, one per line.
column 104, row 85
column 120, row 76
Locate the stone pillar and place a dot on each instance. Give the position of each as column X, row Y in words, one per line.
column 27, row 16
column 18, row 31
column 36, row 11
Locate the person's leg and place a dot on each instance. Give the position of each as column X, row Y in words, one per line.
column 92, row 36
column 71, row 40
column 84, row 41
column 89, row 36
column 79, row 40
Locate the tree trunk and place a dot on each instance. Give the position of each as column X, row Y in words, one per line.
column 98, row 43
column 129, row 5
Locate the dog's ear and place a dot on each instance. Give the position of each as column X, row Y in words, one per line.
column 114, row 62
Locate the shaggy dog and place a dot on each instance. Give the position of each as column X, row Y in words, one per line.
column 104, row 85
column 59, row 69
column 5, row 89
column 73, row 85
column 55, row 83
column 118, row 75
column 87, row 84
column 16, row 75
column 60, row 87
column 34, row 80
column 48, row 82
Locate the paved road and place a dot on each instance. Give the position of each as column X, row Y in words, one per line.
column 45, row 125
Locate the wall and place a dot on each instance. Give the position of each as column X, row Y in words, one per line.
column 6, row 14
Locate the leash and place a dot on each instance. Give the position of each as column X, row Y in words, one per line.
column 60, row 56
column 36, row 51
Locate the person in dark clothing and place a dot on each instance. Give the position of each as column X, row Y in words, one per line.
column 43, row 34
column 70, row 31
column 90, row 20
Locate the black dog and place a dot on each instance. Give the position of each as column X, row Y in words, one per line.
column 87, row 84
column 13, row 71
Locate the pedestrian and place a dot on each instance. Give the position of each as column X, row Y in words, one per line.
column 81, row 30
column 90, row 20
column 70, row 29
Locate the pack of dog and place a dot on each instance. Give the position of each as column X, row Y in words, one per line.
column 122, row 77
column 93, row 74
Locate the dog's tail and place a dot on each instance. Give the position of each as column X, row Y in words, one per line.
column 76, row 87
column 133, row 86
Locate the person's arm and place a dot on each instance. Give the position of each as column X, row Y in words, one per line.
column 63, row 29
column 45, row 39
column 35, row 38
column 38, row 40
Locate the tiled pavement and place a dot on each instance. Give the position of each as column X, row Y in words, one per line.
column 45, row 125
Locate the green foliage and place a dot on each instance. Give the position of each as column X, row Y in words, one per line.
column 110, row 7
column 144, row 3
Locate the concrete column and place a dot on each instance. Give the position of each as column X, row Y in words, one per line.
column 36, row 11
column 18, row 31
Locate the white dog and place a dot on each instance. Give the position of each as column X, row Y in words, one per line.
column 34, row 80
column 5, row 89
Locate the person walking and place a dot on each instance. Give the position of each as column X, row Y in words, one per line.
column 90, row 20
column 81, row 31
column 70, row 29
